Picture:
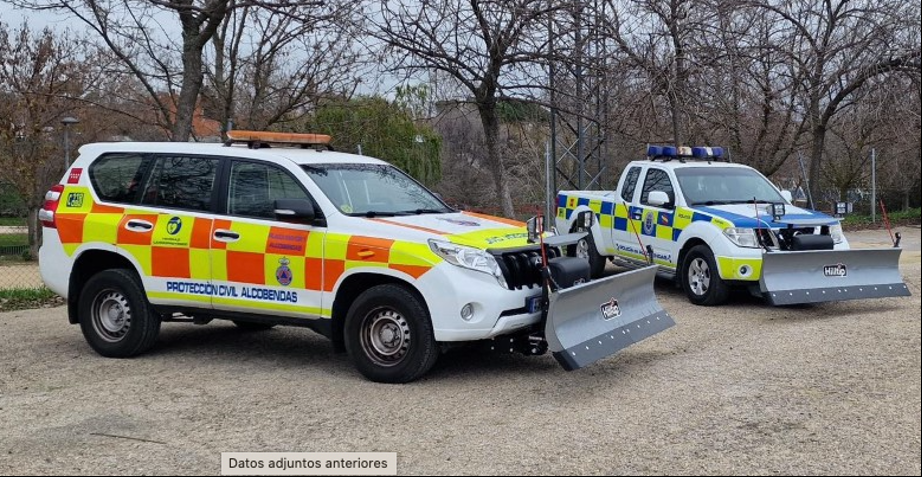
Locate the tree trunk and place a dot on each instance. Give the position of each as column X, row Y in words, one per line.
column 816, row 163
column 35, row 232
column 490, row 120
column 192, row 78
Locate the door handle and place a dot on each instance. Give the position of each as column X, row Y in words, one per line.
column 136, row 225
column 226, row 236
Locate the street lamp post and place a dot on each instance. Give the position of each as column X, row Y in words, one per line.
column 66, row 122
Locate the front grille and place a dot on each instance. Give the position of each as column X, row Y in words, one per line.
column 521, row 267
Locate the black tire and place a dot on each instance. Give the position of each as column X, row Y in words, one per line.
column 388, row 335
column 701, row 278
column 587, row 247
column 250, row 326
column 115, row 316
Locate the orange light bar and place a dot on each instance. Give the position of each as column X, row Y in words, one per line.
column 278, row 138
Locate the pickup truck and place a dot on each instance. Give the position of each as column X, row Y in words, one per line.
column 713, row 226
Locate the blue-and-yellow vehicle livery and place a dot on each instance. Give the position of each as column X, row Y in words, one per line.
column 713, row 225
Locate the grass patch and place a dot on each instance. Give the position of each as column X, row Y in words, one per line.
column 12, row 222
column 13, row 240
column 897, row 219
column 27, row 298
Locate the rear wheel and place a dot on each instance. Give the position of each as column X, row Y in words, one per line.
column 701, row 278
column 389, row 335
column 586, row 249
column 115, row 316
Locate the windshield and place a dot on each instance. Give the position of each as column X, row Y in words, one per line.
column 725, row 185
column 374, row 190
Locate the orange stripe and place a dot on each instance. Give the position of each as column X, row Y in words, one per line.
column 170, row 262
column 201, row 233
column 414, row 271
column 106, row 209
column 367, row 249
column 313, row 274
column 332, row 270
column 414, row 227
column 124, row 237
column 70, row 227
column 246, row 267
column 514, row 223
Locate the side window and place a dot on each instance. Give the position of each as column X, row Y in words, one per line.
column 657, row 180
column 181, row 183
column 255, row 187
column 630, row 184
column 117, row 177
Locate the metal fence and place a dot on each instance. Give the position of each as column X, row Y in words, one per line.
column 17, row 269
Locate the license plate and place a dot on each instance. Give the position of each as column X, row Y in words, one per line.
column 533, row 304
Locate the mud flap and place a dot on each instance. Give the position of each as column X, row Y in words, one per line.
column 592, row 321
column 794, row 278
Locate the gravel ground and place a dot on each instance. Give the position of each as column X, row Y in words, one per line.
column 742, row 389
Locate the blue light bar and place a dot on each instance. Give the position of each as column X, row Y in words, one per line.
column 670, row 151
column 654, row 151
column 701, row 152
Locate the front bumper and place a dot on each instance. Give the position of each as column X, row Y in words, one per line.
column 496, row 310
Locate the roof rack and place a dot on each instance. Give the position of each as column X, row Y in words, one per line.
column 685, row 154
column 265, row 139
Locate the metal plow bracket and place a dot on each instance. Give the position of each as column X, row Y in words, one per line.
column 794, row 278
column 589, row 322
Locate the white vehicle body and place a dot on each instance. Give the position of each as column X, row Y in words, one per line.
column 322, row 259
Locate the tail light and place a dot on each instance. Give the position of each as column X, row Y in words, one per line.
column 52, row 199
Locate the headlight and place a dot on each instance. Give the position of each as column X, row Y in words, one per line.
column 745, row 238
column 836, row 233
column 469, row 258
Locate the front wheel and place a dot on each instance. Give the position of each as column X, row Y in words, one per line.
column 389, row 335
column 115, row 317
column 701, row 278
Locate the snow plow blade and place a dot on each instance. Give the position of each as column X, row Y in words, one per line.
column 595, row 320
column 796, row 278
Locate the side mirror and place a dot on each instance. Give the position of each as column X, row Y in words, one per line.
column 297, row 211
column 659, row 198
column 535, row 226
column 787, row 196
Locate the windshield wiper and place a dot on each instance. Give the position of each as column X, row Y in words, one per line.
column 423, row 211
column 374, row 213
column 709, row 203
column 750, row 201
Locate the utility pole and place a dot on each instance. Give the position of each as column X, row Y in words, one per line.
column 873, row 186
column 66, row 122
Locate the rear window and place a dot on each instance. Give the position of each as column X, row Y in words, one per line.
column 117, row 177
column 179, row 182
column 630, row 184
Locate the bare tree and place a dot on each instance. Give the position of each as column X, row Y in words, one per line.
column 839, row 47
column 39, row 73
column 654, row 38
column 271, row 67
column 165, row 58
column 486, row 46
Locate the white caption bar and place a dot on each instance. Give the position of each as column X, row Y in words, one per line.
column 308, row 463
